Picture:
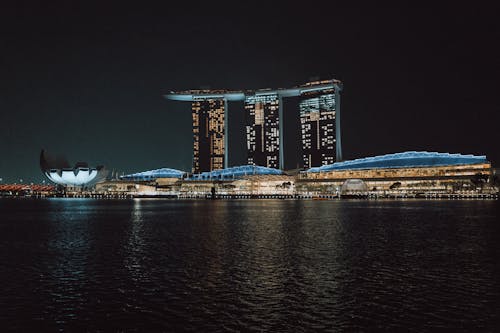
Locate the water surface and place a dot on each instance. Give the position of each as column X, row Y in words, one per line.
column 263, row 265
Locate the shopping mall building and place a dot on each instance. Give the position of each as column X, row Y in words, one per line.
column 409, row 174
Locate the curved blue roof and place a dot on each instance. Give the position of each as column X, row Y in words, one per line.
column 403, row 160
column 235, row 172
column 153, row 174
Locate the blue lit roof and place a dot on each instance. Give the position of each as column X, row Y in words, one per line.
column 153, row 174
column 235, row 172
column 403, row 160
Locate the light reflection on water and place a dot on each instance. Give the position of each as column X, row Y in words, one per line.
column 135, row 246
column 257, row 264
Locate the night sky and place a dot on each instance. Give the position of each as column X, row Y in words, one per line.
column 87, row 79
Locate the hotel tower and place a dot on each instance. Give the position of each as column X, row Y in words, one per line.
column 208, row 135
column 262, row 127
column 319, row 105
column 318, row 127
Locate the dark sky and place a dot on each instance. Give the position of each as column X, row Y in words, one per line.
column 87, row 79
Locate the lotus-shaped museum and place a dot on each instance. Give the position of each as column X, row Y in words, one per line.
column 58, row 170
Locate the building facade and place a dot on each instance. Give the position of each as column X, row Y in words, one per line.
column 317, row 122
column 208, row 134
column 264, row 114
column 262, row 129
column 410, row 172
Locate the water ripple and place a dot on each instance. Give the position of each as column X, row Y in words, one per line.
column 269, row 265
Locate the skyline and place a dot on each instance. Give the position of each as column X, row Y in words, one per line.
column 89, row 83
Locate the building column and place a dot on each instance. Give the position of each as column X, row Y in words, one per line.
column 281, row 147
column 338, row 148
column 226, row 134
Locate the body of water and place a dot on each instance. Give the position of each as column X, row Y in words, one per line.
column 239, row 265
